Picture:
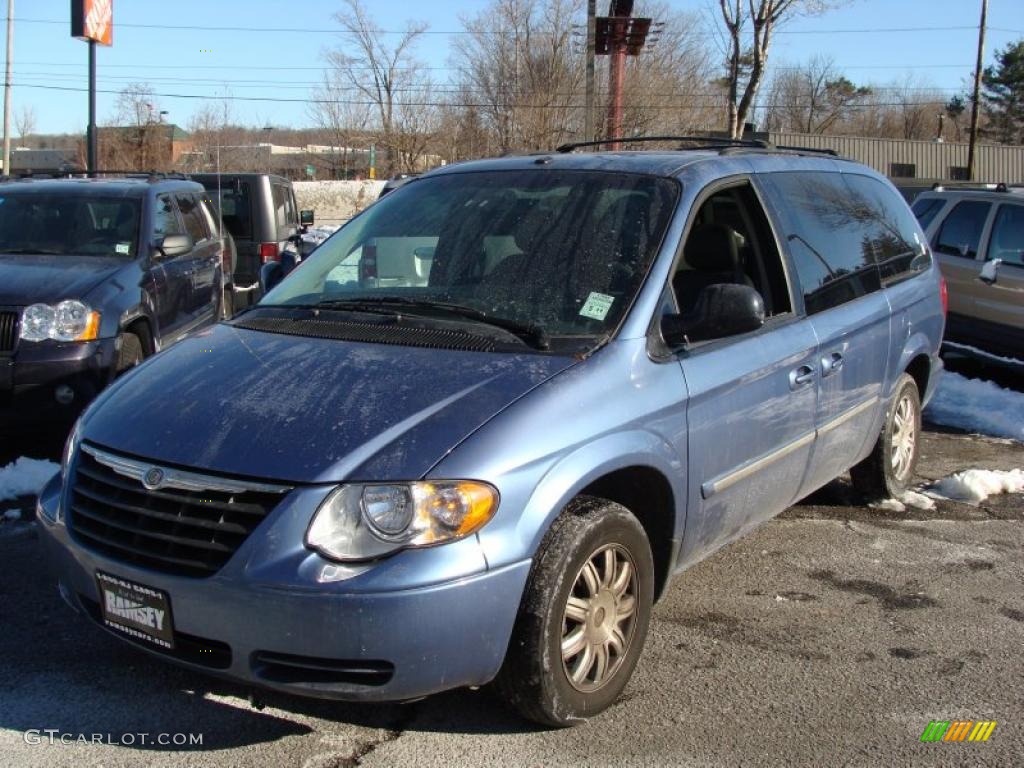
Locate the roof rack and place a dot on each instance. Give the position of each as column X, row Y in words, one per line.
column 69, row 173
column 1001, row 186
column 810, row 150
column 709, row 141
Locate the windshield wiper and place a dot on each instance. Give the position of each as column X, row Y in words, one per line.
column 531, row 333
column 31, row 252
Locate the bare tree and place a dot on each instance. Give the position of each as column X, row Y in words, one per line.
column 386, row 75
column 25, row 122
column 813, row 98
column 135, row 139
column 749, row 29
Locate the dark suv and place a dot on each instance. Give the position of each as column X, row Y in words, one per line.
column 95, row 275
column 259, row 211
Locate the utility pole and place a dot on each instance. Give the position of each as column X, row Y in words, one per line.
column 976, row 99
column 7, row 88
column 618, row 35
column 588, row 118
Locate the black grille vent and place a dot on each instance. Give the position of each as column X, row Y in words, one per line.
column 8, row 330
column 347, row 330
column 289, row 668
column 185, row 533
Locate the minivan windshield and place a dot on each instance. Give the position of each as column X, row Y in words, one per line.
column 80, row 225
column 561, row 252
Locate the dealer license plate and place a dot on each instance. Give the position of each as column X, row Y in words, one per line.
column 136, row 610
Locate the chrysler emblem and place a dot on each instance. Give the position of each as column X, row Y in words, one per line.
column 153, row 478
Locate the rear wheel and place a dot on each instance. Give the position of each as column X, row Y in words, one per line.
column 584, row 615
column 131, row 352
column 887, row 472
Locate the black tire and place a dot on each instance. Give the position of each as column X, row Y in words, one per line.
column 535, row 678
column 131, row 354
column 887, row 473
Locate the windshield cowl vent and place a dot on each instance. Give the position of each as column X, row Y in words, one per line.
column 370, row 333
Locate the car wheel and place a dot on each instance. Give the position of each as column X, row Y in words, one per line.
column 887, row 472
column 584, row 615
column 131, row 353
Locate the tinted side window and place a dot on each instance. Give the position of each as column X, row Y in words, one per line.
column 961, row 231
column 898, row 249
column 165, row 218
column 280, row 198
column 1008, row 235
column 195, row 224
column 925, row 209
column 831, row 231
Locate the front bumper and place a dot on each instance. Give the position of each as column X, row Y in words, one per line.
column 29, row 379
column 416, row 623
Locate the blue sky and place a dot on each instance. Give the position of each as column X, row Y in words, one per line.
column 284, row 64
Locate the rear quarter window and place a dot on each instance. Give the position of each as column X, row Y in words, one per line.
column 925, row 209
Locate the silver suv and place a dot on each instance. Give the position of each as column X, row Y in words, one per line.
column 978, row 235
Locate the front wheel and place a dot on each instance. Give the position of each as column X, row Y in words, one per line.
column 888, row 470
column 584, row 615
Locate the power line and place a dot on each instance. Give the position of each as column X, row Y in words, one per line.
column 467, row 105
column 321, row 30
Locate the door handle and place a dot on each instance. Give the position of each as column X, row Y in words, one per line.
column 831, row 364
column 801, row 377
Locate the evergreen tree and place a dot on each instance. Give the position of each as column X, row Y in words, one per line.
column 1004, row 94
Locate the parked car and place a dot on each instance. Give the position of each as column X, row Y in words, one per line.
column 618, row 363
column 259, row 211
column 978, row 235
column 95, row 276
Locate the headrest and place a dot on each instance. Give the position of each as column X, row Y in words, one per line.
column 712, row 248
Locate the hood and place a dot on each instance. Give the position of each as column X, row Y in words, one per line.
column 27, row 279
column 307, row 410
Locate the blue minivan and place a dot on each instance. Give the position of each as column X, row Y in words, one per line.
column 475, row 434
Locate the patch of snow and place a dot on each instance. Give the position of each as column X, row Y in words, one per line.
column 977, row 406
column 980, row 353
column 919, row 500
column 891, row 505
column 976, row 485
column 12, row 514
column 25, row 477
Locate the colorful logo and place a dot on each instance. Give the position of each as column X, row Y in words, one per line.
column 958, row 730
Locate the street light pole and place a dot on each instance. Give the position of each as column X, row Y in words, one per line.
column 7, row 87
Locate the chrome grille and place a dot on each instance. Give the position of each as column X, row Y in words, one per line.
column 8, row 330
column 169, row 520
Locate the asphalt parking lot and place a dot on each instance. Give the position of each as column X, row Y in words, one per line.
column 830, row 636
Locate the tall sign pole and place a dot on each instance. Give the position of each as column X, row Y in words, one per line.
column 588, row 118
column 7, row 88
column 93, row 22
column 975, row 100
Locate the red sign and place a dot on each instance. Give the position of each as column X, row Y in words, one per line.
column 93, row 20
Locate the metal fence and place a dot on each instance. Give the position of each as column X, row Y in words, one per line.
column 904, row 159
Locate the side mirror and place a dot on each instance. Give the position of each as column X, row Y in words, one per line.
column 174, row 245
column 722, row 310
column 990, row 272
column 271, row 274
column 306, row 218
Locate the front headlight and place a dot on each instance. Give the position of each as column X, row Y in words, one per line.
column 363, row 522
column 71, row 320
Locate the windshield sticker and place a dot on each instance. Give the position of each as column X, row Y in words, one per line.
column 597, row 306
column 123, row 247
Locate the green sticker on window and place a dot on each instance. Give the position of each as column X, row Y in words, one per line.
column 597, row 306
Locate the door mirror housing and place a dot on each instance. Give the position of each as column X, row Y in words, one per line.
column 174, row 245
column 306, row 218
column 990, row 272
column 271, row 274
column 726, row 309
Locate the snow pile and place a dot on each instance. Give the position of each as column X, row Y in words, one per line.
column 976, row 485
column 982, row 354
column 908, row 499
column 316, row 235
column 25, row 477
column 977, row 406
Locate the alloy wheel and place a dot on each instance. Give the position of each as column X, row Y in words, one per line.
column 904, row 437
